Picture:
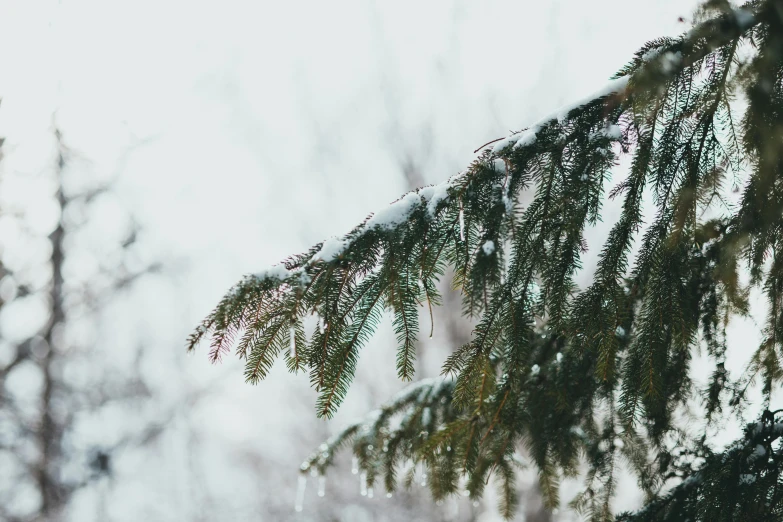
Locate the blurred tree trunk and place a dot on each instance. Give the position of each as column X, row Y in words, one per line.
column 49, row 433
column 37, row 432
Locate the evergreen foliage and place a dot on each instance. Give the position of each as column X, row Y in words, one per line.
column 585, row 380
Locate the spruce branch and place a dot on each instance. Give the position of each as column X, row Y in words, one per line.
column 555, row 375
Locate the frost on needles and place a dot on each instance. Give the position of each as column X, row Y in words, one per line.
column 604, row 380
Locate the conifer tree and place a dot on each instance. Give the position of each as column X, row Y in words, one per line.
column 570, row 381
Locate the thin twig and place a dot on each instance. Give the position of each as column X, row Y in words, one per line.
column 488, row 143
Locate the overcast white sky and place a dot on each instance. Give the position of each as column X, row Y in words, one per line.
column 241, row 132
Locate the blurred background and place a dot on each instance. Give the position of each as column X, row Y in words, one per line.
column 156, row 151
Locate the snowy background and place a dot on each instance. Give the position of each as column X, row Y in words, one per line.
column 236, row 133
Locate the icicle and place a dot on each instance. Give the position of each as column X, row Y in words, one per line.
column 363, row 483
column 321, row 325
column 321, row 486
column 507, row 251
column 389, row 494
column 300, row 492
column 355, row 465
column 423, row 475
column 453, row 511
column 369, row 493
column 292, row 337
column 461, row 222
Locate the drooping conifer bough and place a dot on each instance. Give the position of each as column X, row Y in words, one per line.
column 567, row 380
